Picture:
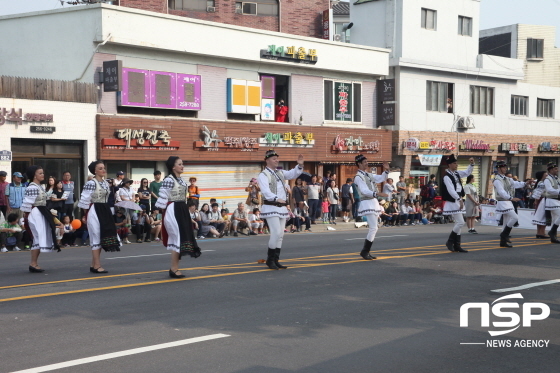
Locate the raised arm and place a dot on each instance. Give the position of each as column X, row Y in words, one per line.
column 467, row 172
column 293, row 173
column 380, row 178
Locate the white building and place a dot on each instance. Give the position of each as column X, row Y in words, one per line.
column 449, row 98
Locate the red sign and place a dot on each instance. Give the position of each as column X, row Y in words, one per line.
column 326, row 24
column 122, row 144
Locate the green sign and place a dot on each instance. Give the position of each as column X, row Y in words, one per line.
column 343, row 101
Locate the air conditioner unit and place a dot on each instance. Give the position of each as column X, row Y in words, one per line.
column 211, row 9
column 337, row 37
column 465, row 122
column 239, row 11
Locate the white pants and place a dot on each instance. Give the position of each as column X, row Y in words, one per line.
column 276, row 226
column 459, row 223
column 257, row 225
column 555, row 216
column 510, row 218
column 372, row 224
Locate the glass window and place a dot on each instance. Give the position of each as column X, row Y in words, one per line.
column 329, row 100
column 465, row 26
column 439, row 97
column 482, row 100
column 535, row 48
column 428, row 19
column 343, row 101
column 200, row 5
column 545, row 108
column 258, row 7
column 519, row 105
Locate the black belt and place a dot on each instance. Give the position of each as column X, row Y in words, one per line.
column 274, row 203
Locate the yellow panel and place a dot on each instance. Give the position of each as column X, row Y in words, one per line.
column 254, row 96
column 239, row 95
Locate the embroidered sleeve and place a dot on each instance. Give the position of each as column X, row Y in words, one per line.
column 87, row 192
column 31, row 194
column 164, row 193
column 364, row 190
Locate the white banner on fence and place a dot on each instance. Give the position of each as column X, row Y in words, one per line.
column 490, row 217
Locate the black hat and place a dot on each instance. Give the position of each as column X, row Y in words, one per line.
column 92, row 166
column 501, row 164
column 271, row 153
column 551, row 165
column 359, row 158
column 451, row 159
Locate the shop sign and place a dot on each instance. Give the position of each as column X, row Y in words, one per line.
column 412, row 144
column 5, row 155
column 353, row 144
column 290, row 54
column 343, row 101
column 515, row 148
column 386, row 90
column 14, row 115
column 549, row 147
column 430, row 160
column 288, row 139
column 141, row 139
column 477, row 145
column 42, row 129
column 112, row 76
column 212, row 142
column 326, row 23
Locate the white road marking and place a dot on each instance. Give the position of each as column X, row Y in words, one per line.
column 113, row 355
column 138, row 256
column 527, row 286
column 361, row 238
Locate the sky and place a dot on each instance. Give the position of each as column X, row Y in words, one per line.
column 494, row 13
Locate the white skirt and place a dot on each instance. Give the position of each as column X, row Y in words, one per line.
column 452, row 208
column 504, row 206
column 368, row 207
column 539, row 216
column 94, row 230
column 41, row 230
column 268, row 211
column 172, row 228
column 551, row 204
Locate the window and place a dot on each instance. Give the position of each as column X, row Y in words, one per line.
column 519, row 105
column 344, row 35
column 258, row 7
column 343, row 101
column 535, row 48
column 429, row 20
column 482, row 100
column 200, row 5
column 439, row 97
column 545, row 108
column 275, row 92
column 465, row 26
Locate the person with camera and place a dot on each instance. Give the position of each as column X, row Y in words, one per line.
column 254, row 196
column 143, row 225
column 272, row 183
column 281, row 112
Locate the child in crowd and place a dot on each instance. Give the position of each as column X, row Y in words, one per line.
column 227, row 221
column 82, row 232
column 325, row 208
column 58, row 226
column 121, row 222
column 10, row 234
column 68, row 233
column 257, row 223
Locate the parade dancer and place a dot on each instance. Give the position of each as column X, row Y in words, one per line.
column 38, row 220
column 552, row 199
column 272, row 183
column 369, row 205
column 505, row 190
column 539, row 216
column 177, row 230
column 452, row 193
column 100, row 222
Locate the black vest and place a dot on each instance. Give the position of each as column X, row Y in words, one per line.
column 445, row 194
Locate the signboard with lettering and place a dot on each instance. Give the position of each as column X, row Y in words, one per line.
column 386, row 90
column 476, row 145
column 430, row 160
column 112, row 76
column 326, row 24
column 140, row 139
column 386, row 107
column 211, row 141
column 515, row 148
column 386, row 114
column 42, row 129
column 412, row 144
column 290, row 54
column 189, row 92
column 16, row 115
column 351, row 144
column 5, row 155
column 343, row 101
column 288, row 139
column 549, row 147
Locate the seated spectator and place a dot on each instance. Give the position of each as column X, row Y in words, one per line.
column 205, row 229
column 394, row 212
column 156, row 224
column 417, row 213
column 239, row 219
column 384, row 218
column 436, row 213
column 216, row 219
column 302, row 218
column 121, row 223
column 10, row 234
column 291, row 221
column 226, row 220
column 256, row 222
column 26, row 236
column 82, row 232
column 407, row 213
column 195, row 218
column 69, row 233
column 143, row 225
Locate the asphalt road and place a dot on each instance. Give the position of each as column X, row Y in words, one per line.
column 330, row 311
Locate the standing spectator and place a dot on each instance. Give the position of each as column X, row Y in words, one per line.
column 118, row 180
column 3, row 200
column 50, row 188
column 216, row 219
column 313, row 195
column 471, row 203
column 68, row 187
column 15, row 192
column 401, row 190
column 121, row 223
column 144, row 194
column 57, row 202
column 194, row 192
column 156, row 223
column 389, row 189
column 112, row 192
column 281, row 112
column 256, row 222
column 325, row 208
column 154, row 187
column 239, row 219
column 254, row 194
column 298, row 192
column 143, row 226
column 347, row 200
column 356, row 205
column 333, row 196
column 520, row 193
column 10, row 234
column 326, row 180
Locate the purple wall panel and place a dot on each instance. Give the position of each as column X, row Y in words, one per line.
column 163, row 89
column 189, row 92
column 136, row 88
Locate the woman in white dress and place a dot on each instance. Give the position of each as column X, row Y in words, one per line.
column 177, row 231
column 539, row 216
column 272, row 183
column 552, row 201
column 100, row 222
column 471, row 203
column 369, row 205
column 38, row 220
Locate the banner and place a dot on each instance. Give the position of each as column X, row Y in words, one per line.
column 489, row 216
column 430, row 160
